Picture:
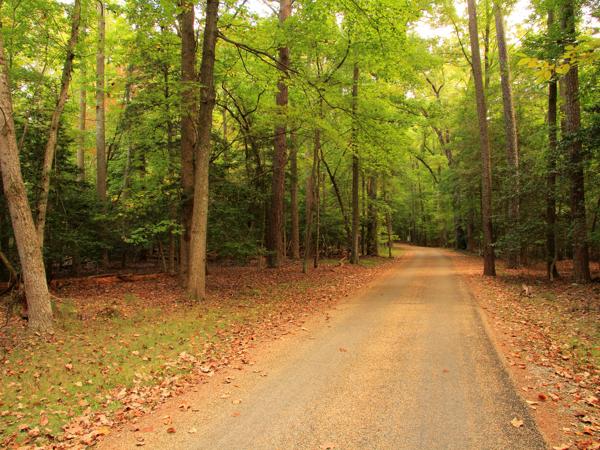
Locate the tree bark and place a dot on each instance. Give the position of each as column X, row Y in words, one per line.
column 50, row 150
column 82, row 128
column 551, row 255
column 196, row 285
column 572, row 125
column 310, row 198
column 489, row 267
column 372, row 220
column 30, row 252
column 275, row 247
column 354, row 258
column 295, row 231
column 101, row 162
column 189, row 112
column 512, row 145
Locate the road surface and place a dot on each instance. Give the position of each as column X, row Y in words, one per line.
column 405, row 364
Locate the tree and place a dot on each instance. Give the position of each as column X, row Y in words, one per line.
column 189, row 111
column 551, row 251
column 42, row 204
column 196, row 284
column 30, row 252
column 355, row 168
column 512, row 145
column 572, row 126
column 489, row 267
column 101, row 162
column 275, row 247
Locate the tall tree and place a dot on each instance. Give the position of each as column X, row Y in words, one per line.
column 372, row 218
column 512, row 145
column 489, row 266
column 196, row 284
column 101, row 162
column 30, row 252
column 295, row 226
column 50, row 150
column 354, row 257
column 275, row 247
column 82, row 127
column 551, row 255
column 189, row 112
column 572, row 125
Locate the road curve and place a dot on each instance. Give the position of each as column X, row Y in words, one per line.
column 407, row 364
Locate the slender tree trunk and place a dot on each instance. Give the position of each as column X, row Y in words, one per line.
column 363, row 215
column 317, row 203
column 50, row 150
column 310, row 197
column 189, row 112
column 512, row 145
column 372, row 222
column 100, row 108
column 30, row 252
column 572, row 125
column 354, row 258
column 275, row 247
column 551, row 254
column 196, row 285
column 295, row 231
column 489, row 267
column 82, row 127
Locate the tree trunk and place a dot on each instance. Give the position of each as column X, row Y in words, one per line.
column 310, row 197
column 30, row 252
column 551, row 254
column 512, row 145
column 100, row 109
column 50, row 150
column 317, row 203
column 372, row 222
column 275, row 247
column 489, row 267
column 355, row 169
column 189, row 112
column 82, row 127
column 295, row 231
column 572, row 124
column 196, row 285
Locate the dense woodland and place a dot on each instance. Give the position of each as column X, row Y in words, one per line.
column 171, row 133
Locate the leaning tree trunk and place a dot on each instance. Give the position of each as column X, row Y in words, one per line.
column 196, row 285
column 572, row 125
column 30, row 252
column 551, row 255
column 275, row 247
column 189, row 112
column 42, row 204
column 489, row 267
column 355, row 169
column 512, row 145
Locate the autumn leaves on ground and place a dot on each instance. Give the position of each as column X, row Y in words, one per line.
column 122, row 347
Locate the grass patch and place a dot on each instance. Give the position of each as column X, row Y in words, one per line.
column 61, row 379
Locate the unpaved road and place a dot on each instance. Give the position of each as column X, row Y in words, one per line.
column 406, row 364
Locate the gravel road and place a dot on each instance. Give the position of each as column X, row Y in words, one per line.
column 405, row 364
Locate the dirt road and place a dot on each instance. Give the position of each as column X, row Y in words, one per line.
column 406, row 364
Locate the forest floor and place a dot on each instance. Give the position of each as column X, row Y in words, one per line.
column 124, row 345
column 549, row 338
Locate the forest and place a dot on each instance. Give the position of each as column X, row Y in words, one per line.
column 196, row 142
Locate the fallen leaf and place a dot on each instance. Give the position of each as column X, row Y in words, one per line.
column 171, row 430
column 44, row 420
column 343, row 350
column 192, row 431
column 517, row 423
column 542, row 397
column 235, row 414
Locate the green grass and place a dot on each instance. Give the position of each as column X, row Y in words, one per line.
column 61, row 379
